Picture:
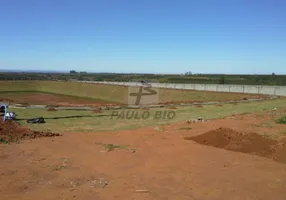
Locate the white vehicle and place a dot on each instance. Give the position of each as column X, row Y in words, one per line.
column 10, row 115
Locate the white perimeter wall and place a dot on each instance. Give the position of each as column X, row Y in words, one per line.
column 250, row 89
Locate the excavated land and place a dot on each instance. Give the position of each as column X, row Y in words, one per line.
column 219, row 159
column 11, row 131
column 251, row 143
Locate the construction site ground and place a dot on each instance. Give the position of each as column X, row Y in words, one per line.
column 238, row 157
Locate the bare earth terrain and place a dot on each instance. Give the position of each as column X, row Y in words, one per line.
column 175, row 162
column 36, row 98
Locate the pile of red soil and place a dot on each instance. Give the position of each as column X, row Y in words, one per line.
column 251, row 143
column 11, row 131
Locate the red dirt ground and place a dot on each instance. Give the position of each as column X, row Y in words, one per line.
column 164, row 166
column 11, row 131
column 251, row 143
column 56, row 100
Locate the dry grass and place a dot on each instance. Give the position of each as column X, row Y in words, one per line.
column 112, row 93
column 93, row 91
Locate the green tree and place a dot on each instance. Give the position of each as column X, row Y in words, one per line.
column 221, row 80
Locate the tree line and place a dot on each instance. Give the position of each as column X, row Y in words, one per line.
column 271, row 79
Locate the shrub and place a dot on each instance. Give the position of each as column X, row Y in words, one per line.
column 282, row 120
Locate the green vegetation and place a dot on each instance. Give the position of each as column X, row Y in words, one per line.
column 282, row 120
column 86, row 121
column 185, row 128
column 270, row 79
column 222, row 80
column 3, row 141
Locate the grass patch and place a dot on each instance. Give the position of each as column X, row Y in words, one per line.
column 109, row 93
column 185, row 128
column 157, row 128
column 86, row 121
column 281, row 120
column 273, row 135
column 282, row 132
column 4, row 141
column 98, row 182
column 265, row 125
column 111, row 147
column 63, row 165
column 266, row 135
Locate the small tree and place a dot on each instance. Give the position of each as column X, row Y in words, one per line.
column 221, row 80
column 273, row 75
column 72, row 72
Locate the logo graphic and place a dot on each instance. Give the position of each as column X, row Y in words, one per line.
column 145, row 90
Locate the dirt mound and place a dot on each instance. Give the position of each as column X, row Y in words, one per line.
column 251, row 143
column 11, row 131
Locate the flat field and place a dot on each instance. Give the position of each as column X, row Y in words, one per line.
column 43, row 98
column 122, row 119
column 237, row 152
column 58, row 93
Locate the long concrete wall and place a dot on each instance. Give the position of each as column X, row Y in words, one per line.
column 250, row 89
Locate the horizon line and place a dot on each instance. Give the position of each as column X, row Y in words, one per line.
column 135, row 73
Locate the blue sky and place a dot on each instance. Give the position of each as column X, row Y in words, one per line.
column 153, row 36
